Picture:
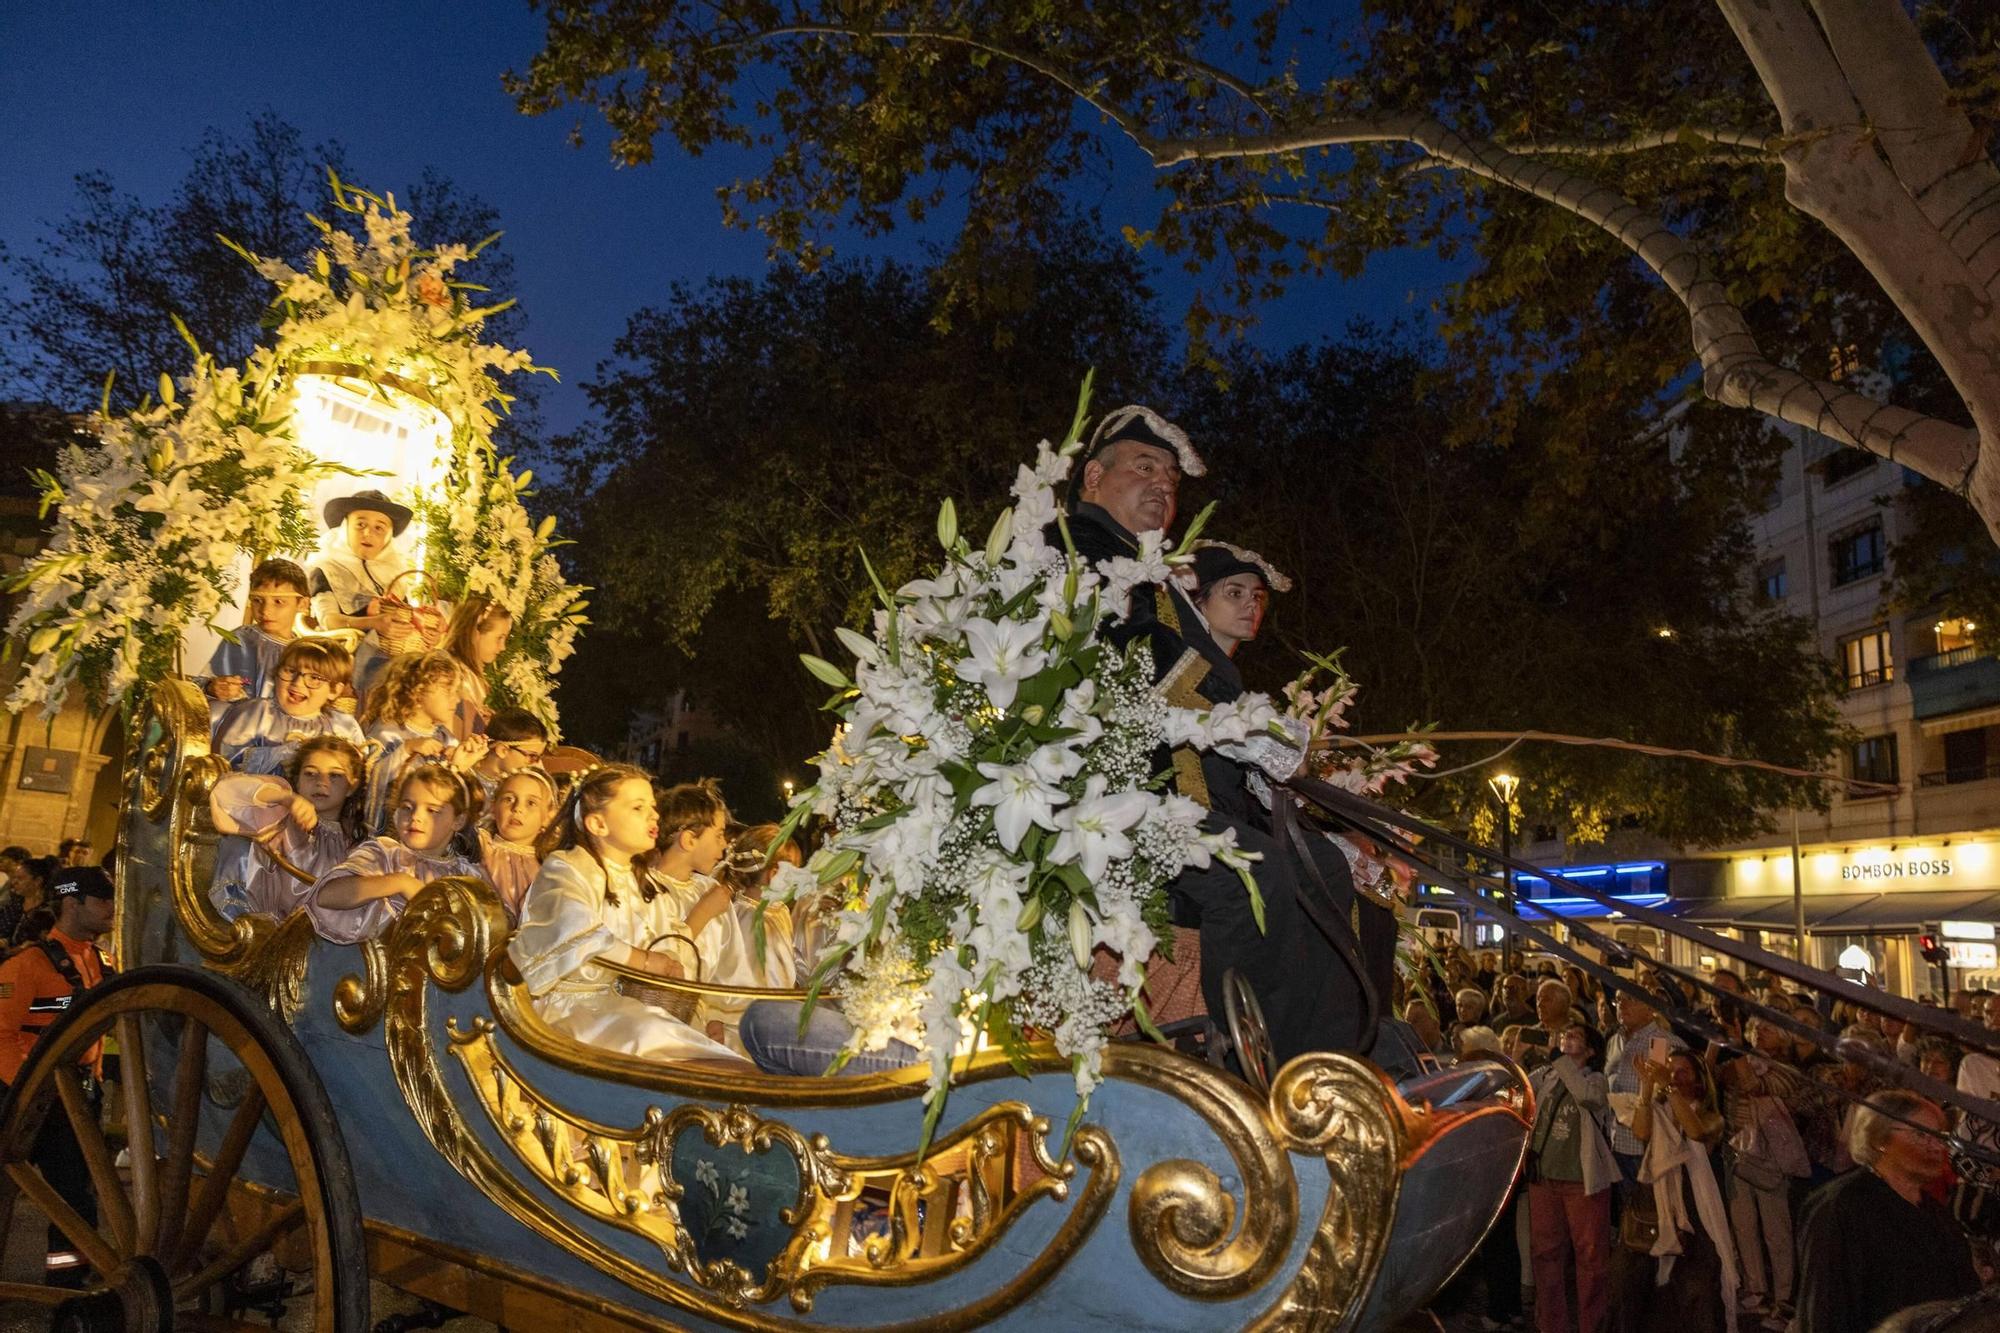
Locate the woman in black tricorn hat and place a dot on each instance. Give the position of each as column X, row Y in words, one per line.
column 356, row 571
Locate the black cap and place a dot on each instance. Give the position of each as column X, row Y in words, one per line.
column 1213, row 564
column 374, row 501
column 1215, row 561
column 82, row 881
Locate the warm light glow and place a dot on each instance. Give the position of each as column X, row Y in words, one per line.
column 1750, row 871
column 372, row 429
column 1504, row 785
column 1665, row 632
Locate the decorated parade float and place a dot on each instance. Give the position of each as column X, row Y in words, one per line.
column 985, row 820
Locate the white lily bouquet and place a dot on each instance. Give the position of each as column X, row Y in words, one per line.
column 994, row 800
column 1366, row 770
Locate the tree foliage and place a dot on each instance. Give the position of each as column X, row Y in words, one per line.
column 754, row 436
column 757, row 436
column 99, row 293
column 1515, row 587
column 1622, row 174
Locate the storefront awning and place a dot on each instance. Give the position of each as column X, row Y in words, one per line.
column 1911, row 910
column 1973, row 721
column 1776, row 911
column 1847, row 913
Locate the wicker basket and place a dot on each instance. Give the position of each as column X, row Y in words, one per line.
column 681, row 1004
column 413, row 626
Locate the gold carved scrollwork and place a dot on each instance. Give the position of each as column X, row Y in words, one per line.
column 621, row 1177
column 1181, row 1216
column 172, row 727
column 170, row 774
column 975, row 1181
column 1345, row 1111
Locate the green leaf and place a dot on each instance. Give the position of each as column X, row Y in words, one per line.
column 825, row 672
column 1082, row 411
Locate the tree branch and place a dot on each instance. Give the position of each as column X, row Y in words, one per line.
column 1111, row 111
column 1256, row 197
column 1931, row 144
column 1750, row 141
column 1734, row 369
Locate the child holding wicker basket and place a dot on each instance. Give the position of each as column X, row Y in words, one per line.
column 590, row 903
column 363, row 582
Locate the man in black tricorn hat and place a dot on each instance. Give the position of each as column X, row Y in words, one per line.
column 1128, row 483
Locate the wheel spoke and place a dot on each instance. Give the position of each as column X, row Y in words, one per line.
column 139, row 1129
column 81, row 1234
column 214, row 1189
column 112, row 1203
column 34, row 1294
column 258, row 1241
column 189, row 1074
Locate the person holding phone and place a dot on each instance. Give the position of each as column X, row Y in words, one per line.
column 1640, row 1034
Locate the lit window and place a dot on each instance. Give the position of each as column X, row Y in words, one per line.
column 1865, row 659
column 1873, row 759
column 1857, row 554
column 1953, row 634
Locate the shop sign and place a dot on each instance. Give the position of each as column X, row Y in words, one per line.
column 1972, row 957
column 1967, row 930
column 1927, row 867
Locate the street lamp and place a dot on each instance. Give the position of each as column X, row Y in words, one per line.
column 788, row 792
column 1504, row 785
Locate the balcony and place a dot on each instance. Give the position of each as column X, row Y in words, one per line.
column 1954, row 682
column 1951, row 777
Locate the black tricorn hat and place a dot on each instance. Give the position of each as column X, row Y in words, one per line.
column 1145, row 426
column 1216, row 561
column 373, row 501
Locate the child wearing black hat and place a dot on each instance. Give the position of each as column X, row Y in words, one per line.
column 354, row 573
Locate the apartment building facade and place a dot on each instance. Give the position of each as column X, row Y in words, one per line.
column 1917, row 852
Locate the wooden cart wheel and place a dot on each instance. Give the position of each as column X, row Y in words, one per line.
column 1247, row 1033
column 167, row 1235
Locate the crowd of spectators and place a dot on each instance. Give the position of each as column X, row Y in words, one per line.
column 1715, row 1167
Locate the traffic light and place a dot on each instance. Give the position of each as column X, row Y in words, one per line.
column 1929, row 947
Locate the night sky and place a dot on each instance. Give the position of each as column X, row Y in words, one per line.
column 130, row 88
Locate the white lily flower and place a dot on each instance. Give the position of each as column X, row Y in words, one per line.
column 1092, row 833
column 1003, row 654
column 1019, row 797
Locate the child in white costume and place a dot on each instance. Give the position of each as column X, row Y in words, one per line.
column 354, row 572
column 360, row 897
column 262, row 735
column 406, row 715
column 588, row 903
column 694, row 838
column 307, row 817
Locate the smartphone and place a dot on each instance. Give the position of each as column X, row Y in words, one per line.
column 1658, row 1051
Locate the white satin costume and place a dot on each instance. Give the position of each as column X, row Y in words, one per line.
column 566, row 921
column 247, row 881
column 377, row 856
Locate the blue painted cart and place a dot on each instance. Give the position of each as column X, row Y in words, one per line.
column 397, row 1110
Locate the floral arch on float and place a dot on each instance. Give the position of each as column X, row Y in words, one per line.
column 376, row 374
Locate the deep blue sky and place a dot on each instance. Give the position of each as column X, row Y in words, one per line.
column 129, row 89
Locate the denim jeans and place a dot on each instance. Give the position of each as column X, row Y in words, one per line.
column 772, row 1040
